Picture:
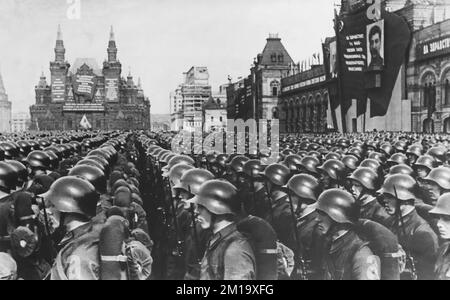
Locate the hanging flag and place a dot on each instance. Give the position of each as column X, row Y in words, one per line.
column 84, row 123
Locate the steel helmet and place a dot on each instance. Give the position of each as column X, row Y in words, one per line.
column 426, row 161
column 310, row 163
column 334, row 168
column 11, row 150
column 218, row 197
column 440, row 176
column 254, row 168
column 21, row 170
column 8, row 176
column 100, row 153
column 397, row 159
column 277, row 174
column 366, row 177
column 400, row 186
column 38, row 159
column 293, row 162
column 304, row 186
column 72, row 194
column 377, row 156
column 355, row 152
column 442, row 206
column 180, row 159
column 339, row 205
column 350, row 161
column 332, row 155
column 439, row 153
column 91, row 163
column 237, row 163
column 92, row 174
column 401, row 169
column 2, row 154
column 193, row 179
column 24, row 147
column 387, row 149
column 400, row 146
column 176, row 172
column 415, row 150
column 370, row 163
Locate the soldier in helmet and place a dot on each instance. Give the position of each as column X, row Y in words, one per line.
column 442, row 213
column 332, row 174
column 345, row 256
column 414, row 233
column 229, row 255
column 72, row 203
column 363, row 185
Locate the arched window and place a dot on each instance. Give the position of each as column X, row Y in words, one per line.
column 428, row 91
column 275, row 87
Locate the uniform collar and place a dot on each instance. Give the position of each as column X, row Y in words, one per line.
column 339, row 241
column 365, row 200
column 76, row 233
column 223, row 233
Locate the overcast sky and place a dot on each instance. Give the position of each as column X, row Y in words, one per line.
column 157, row 39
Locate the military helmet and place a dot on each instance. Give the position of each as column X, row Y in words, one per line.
column 401, row 169
column 310, row 163
column 400, row 146
column 211, row 157
column 254, row 168
column 415, row 150
column 218, row 197
column 193, row 179
column 24, row 147
column 21, row 170
column 2, row 154
column 176, row 172
column 293, row 162
column 442, row 206
column 334, row 168
column 400, row 186
column 350, row 161
column 34, row 145
column 366, row 177
column 397, row 159
column 92, row 174
column 11, row 150
column 355, row 152
column 380, row 157
column 71, row 194
column 371, row 163
column 332, row 155
column 100, row 153
column 339, row 205
column 180, row 159
column 277, row 174
column 101, row 161
column 237, row 163
column 439, row 153
column 8, row 176
column 387, row 149
column 38, row 159
column 426, row 161
column 304, row 186
column 440, row 176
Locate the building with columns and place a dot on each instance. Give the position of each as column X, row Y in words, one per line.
column 108, row 100
column 5, row 109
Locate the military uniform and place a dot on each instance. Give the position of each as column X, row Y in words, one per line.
column 79, row 256
column 349, row 258
column 442, row 267
column 370, row 209
column 228, row 256
column 420, row 241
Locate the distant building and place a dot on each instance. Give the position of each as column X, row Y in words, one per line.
column 20, row 122
column 256, row 96
column 214, row 115
column 193, row 93
column 86, row 91
column 5, row 109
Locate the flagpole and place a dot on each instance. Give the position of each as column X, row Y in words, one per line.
column 338, row 71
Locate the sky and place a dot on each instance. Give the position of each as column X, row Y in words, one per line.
column 157, row 40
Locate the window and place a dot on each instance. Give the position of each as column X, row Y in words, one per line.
column 212, row 119
column 280, row 58
column 221, row 119
column 274, row 86
column 273, row 57
column 447, row 91
column 98, row 124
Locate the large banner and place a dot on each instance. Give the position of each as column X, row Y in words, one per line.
column 85, row 85
column 366, row 46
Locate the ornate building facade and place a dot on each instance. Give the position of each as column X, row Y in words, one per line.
column 304, row 101
column 106, row 99
column 5, row 109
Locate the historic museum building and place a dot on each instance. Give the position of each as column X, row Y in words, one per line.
column 83, row 96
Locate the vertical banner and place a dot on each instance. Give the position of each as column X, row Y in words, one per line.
column 375, row 46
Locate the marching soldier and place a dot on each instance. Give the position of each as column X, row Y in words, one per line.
column 442, row 212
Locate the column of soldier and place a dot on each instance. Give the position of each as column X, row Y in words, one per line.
column 123, row 206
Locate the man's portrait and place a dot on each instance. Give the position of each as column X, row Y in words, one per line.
column 375, row 46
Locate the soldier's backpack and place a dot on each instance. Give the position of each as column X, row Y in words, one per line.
column 384, row 244
column 122, row 258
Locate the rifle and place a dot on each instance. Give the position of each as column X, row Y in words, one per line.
column 412, row 272
column 299, row 271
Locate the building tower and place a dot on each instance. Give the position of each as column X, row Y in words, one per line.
column 112, row 69
column 5, row 109
column 59, row 69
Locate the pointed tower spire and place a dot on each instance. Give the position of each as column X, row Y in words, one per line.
column 111, row 35
column 60, row 51
column 2, row 90
column 112, row 48
column 139, row 83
